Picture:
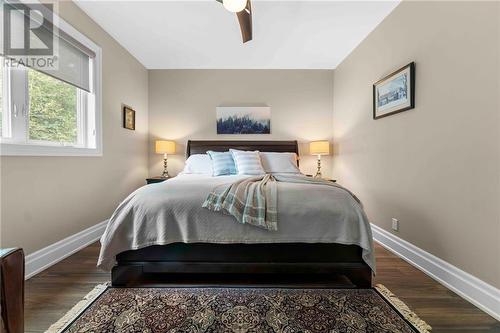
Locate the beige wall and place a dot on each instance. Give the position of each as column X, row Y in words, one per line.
column 436, row 167
column 182, row 106
column 45, row 199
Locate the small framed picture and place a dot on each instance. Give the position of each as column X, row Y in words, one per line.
column 394, row 93
column 128, row 118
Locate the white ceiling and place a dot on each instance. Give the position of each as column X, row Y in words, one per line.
column 202, row 34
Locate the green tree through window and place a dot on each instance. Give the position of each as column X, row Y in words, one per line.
column 53, row 109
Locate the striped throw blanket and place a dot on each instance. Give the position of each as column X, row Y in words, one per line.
column 254, row 200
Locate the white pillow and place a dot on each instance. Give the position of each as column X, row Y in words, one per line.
column 279, row 162
column 198, row 164
column 247, row 162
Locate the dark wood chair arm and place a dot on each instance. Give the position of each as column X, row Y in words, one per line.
column 12, row 290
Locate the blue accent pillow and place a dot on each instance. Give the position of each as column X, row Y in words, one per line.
column 247, row 162
column 222, row 163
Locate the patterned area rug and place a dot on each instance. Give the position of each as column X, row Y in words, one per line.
column 240, row 310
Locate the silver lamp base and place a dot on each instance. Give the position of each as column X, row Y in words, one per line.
column 165, row 167
column 318, row 171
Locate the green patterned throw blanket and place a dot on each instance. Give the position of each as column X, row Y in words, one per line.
column 253, row 200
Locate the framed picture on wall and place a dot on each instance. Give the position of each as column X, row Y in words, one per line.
column 394, row 93
column 128, row 118
column 243, row 120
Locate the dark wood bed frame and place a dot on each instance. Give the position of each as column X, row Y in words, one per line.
column 291, row 264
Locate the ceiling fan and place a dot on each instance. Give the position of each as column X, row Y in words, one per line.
column 243, row 10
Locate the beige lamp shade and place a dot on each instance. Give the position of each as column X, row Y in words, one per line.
column 319, row 148
column 165, row 147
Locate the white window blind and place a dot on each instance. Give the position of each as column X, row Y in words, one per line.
column 72, row 64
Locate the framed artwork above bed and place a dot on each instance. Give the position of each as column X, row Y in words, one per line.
column 394, row 93
column 243, row 120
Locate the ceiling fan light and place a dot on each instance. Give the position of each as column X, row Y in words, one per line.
column 234, row 6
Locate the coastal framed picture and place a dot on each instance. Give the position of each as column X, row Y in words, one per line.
column 243, row 120
column 394, row 93
column 128, row 118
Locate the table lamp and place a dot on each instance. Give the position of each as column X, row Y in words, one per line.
column 319, row 148
column 165, row 147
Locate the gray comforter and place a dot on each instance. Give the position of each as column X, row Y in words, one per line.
column 172, row 212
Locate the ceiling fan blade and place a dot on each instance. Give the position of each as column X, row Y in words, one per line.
column 245, row 19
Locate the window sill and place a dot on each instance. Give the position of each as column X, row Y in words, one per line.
column 11, row 149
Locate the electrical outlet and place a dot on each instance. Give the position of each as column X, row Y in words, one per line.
column 395, row 224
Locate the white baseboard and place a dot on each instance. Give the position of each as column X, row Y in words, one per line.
column 481, row 294
column 52, row 254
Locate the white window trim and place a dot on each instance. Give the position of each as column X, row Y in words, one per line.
column 6, row 114
column 30, row 149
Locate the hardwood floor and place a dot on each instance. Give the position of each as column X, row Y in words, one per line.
column 50, row 294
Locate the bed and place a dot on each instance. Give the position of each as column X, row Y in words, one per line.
column 255, row 257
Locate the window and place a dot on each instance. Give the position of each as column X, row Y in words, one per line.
column 1, row 94
column 53, row 111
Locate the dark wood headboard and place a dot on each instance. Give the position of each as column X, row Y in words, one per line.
column 202, row 146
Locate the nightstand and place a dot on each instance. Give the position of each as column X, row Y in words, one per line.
column 330, row 180
column 153, row 180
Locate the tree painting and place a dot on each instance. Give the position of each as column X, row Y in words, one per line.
column 243, row 120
